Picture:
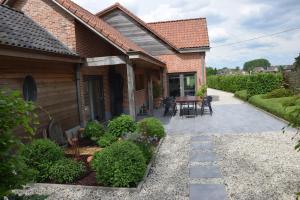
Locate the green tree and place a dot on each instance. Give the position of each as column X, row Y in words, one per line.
column 211, row 71
column 15, row 112
column 297, row 63
column 250, row 65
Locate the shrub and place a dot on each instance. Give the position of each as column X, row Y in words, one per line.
column 242, row 95
column 120, row 165
column 146, row 149
column 151, row 127
column 121, row 125
column 201, row 91
column 281, row 92
column 66, row 171
column 40, row 155
column 106, row 140
column 254, row 84
column 15, row 112
column 93, row 130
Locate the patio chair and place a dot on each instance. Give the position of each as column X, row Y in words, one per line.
column 206, row 103
column 170, row 106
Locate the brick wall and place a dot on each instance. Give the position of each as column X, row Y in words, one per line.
column 181, row 63
column 51, row 17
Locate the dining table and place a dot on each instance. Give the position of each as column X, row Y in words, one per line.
column 189, row 104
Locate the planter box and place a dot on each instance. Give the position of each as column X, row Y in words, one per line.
column 135, row 189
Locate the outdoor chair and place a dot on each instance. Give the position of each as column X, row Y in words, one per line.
column 206, row 103
column 169, row 106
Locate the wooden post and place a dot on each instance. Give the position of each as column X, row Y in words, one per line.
column 150, row 94
column 131, row 89
column 181, row 78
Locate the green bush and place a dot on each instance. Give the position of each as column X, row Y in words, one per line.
column 40, row 155
column 254, row 84
column 120, row 165
column 66, row 171
column 201, row 91
column 94, row 130
column 15, row 112
column 277, row 93
column 151, row 127
column 146, row 149
column 241, row 95
column 106, row 140
column 121, row 125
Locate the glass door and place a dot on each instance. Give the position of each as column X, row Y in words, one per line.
column 174, row 85
column 189, row 84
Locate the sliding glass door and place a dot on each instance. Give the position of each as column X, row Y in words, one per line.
column 182, row 84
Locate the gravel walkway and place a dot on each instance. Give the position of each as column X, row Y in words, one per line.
column 168, row 178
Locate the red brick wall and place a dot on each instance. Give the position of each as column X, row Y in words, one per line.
column 52, row 18
column 189, row 62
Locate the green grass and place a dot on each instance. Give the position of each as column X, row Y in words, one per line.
column 274, row 105
column 241, row 95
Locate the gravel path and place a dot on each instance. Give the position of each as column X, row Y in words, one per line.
column 259, row 166
column 168, row 178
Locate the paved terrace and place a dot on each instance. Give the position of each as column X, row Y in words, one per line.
column 238, row 153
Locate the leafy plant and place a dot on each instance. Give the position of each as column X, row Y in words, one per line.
column 281, row 92
column 157, row 90
column 15, row 112
column 241, row 94
column 121, row 125
column 152, row 128
column 120, row 165
column 147, row 150
column 106, row 140
column 94, row 130
column 66, row 171
column 202, row 91
column 40, row 154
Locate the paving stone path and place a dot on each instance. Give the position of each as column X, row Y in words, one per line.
column 205, row 177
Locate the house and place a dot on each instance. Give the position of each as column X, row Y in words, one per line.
column 258, row 70
column 123, row 57
column 34, row 62
column 180, row 44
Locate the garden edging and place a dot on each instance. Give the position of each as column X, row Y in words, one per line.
column 135, row 189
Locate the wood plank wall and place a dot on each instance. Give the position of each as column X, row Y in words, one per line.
column 137, row 33
column 56, row 87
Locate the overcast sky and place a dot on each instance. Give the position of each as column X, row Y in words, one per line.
column 229, row 21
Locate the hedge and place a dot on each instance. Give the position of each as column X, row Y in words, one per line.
column 254, row 84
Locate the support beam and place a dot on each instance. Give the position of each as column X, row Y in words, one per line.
column 131, row 89
column 150, row 94
column 181, row 79
column 78, row 93
column 105, row 61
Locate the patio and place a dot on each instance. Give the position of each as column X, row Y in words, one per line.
column 241, row 150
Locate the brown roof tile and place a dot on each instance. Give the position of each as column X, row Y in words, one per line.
column 187, row 33
column 99, row 25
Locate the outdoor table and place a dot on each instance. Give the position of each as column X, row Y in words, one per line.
column 188, row 100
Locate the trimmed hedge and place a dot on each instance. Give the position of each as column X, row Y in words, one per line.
column 93, row 130
column 254, row 84
column 120, row 165
column 106, row 140
column 151, row 127
column 277, row 93
column 241, row 95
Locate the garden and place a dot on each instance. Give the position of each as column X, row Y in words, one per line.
column 121, row 152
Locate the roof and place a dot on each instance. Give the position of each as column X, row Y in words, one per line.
column 187, row 33
column 137, row 19
column 18, row 30
column 100, row 26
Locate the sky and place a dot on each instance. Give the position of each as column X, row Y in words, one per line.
column 229, row 21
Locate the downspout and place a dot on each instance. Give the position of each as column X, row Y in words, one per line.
column 78, row 93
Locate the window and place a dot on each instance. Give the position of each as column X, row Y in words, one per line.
column 139, row 82
column 189, row 84
column 29, row 89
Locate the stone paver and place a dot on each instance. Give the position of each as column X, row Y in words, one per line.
column 203, row 156
column 206, row 146
column 207, row 192
column 210, row 171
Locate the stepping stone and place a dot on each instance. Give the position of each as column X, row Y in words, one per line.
column 197, row 156
column 211, row 171
column 201, row 138
column 202, row 146
column 207, row 192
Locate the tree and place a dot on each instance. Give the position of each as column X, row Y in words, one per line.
column 15, row 112
column 211, row 71
column 297, row 63
column 250, row 65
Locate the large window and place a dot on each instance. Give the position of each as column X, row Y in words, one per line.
column 182, row 84
column 29, row 89
column 189, row 84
